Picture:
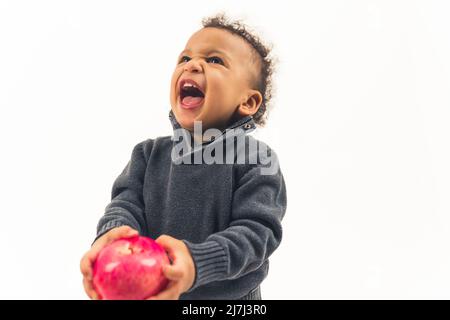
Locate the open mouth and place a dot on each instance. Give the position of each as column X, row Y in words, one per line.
column 191, row 95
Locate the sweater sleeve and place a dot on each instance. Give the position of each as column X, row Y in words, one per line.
column 127, row 204
column 258, row 206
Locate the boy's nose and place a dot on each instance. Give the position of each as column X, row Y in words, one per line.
column 193, row 66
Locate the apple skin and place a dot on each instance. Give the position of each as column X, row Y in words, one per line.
column 130, row 269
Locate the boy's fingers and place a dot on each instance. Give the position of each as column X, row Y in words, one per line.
column 90, row 257
column 95, row 296
column 86, row 263
column 86, row 266
column 168, row 243
column 172, row 273
column 170, row 293
column 165, row 241
column 123, row 231
column 110, row 236
column 86, row 287
column 89, row 289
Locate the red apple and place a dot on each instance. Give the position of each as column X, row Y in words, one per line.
column 130, row 269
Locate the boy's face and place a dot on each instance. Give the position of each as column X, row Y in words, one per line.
column 222, row 66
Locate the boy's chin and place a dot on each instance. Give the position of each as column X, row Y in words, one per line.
column 189, row 120
column 186, row 122
column 186, row 119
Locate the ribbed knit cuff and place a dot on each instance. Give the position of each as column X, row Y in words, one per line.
column 211, row 262
column 106, row 227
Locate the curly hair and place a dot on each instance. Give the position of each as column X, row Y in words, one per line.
column 267, row 62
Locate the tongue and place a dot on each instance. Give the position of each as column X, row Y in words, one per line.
column 192, row 100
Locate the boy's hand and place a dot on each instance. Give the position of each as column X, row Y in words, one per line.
column 181, row 273
column 89, row 258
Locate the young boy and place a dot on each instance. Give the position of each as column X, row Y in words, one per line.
column 219, row 220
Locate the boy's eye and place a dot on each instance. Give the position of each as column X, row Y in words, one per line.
column 184, row 59
column 215, row 60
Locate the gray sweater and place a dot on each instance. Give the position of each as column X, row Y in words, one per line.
column 229, row 215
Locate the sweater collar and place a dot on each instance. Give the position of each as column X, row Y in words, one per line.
column 246, row 124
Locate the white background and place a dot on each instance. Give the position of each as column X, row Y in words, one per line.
column 360, row 123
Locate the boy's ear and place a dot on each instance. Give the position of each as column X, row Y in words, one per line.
column 252, row 103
